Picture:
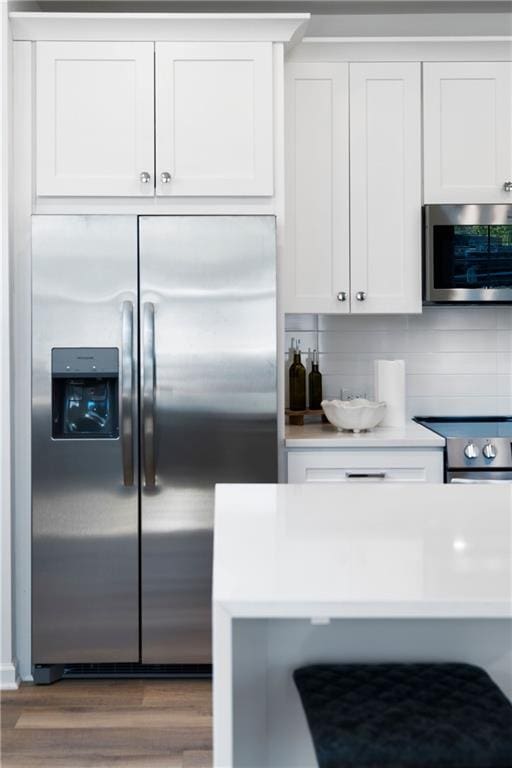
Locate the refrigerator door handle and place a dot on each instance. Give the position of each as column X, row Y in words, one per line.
column 148, row 394
column 127, row 391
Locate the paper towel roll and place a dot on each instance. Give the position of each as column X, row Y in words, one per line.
column 390, row 387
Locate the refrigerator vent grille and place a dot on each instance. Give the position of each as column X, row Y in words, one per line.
column 137, row 670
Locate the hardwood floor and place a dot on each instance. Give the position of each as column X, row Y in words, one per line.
column 108, row 724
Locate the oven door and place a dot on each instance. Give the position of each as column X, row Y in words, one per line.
column 499, row 477
column 468, row 253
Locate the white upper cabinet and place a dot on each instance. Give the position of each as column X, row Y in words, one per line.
column 385, row 187
column 94, row 118
column 353, row 238
column 214, row 127
column 97, row 124
column 317, row 259
column 467, row 132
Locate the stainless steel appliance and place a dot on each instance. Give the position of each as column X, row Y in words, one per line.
column 467, row 253
column 478, row 449
column 122, row 549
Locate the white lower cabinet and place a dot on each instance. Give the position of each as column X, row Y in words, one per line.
column 392, row 465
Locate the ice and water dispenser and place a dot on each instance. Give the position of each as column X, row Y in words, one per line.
column 85, row 393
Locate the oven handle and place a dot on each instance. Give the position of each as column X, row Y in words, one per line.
column 468, row 481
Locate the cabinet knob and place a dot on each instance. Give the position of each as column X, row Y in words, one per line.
column 165, row 177
column 360, row 295
column 507, row 186
column 341, row 296
column 145, row 177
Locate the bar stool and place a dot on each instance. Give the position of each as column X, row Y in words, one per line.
column 405, row 716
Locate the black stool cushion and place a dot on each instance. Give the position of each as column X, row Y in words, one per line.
column 406, row 716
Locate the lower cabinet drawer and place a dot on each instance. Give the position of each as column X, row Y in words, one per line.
column 371, row 466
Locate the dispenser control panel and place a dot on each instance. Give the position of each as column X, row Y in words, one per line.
column 85, row 361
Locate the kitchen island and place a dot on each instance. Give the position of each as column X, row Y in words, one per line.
column 323, row 572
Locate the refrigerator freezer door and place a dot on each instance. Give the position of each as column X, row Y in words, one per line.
column 85, row 559
column 208, row 350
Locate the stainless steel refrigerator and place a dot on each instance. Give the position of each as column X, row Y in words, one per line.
column 154, row 377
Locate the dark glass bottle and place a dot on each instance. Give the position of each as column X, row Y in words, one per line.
column 315, row 384
column 297, row 382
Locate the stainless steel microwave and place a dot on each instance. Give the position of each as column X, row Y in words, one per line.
column 467, row 254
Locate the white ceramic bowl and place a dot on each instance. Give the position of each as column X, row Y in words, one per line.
column 356, row 415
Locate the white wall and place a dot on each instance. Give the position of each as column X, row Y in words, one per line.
column 337, row 17
column 398, row 24
column 458, row 359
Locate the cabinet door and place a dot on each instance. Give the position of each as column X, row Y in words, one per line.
column 467, row 132
column 366, row 466
column 214, row 128
column 316, row 267
column 95, row 118
column 385, row 187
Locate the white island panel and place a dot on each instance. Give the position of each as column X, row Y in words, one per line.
column 306, row 574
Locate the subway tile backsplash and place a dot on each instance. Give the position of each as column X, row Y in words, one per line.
column 458, row 359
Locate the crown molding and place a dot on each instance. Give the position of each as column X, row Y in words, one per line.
column 406, row 48
column 285, row 28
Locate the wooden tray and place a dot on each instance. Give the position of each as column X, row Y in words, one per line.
column 297, row 417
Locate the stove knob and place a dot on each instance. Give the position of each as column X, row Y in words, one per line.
column 489, row 451
column 471, row 451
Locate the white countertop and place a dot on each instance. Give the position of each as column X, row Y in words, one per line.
column 319, row 435
column 329, row 550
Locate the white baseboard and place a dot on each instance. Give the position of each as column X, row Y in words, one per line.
column 9, row 679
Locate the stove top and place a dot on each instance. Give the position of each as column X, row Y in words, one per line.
column 468, row 426
column 474, row 442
